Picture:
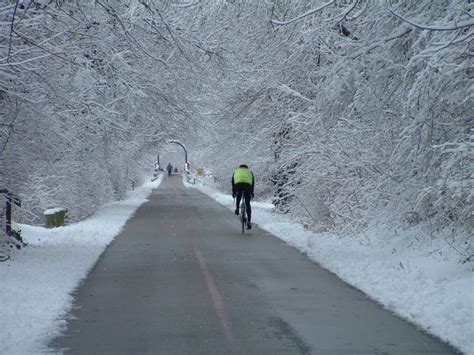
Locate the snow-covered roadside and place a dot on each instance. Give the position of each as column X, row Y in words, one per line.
column 425, row 285
column 36, row 284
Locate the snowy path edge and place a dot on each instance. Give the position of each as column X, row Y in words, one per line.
column 434, row 294
column 39, row 281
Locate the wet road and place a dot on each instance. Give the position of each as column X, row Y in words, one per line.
column 181, row 279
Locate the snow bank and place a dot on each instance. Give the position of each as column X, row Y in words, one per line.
column 37, row 282
column 422, row 283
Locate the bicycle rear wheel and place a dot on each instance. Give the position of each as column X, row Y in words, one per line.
column 243, row 217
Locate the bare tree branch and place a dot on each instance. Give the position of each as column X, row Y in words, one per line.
column 11, row 30
column 348, row 11
column 310, row 12
column 188, row 4
column 454, row 27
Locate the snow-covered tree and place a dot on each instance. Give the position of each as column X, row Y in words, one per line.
column 350, row 112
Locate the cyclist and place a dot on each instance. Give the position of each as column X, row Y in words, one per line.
column 243, row 183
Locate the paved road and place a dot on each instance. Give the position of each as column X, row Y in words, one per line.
column 181, row 279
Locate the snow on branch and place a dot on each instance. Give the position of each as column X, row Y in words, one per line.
column 187, row 4
column 456, row 26
column 310, row 12
column 288, row 90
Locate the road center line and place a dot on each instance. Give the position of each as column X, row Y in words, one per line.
column 216, row 298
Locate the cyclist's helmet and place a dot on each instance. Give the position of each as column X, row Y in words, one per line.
column 244, row 165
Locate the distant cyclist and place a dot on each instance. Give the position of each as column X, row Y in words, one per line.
column 169, row 168
column 243, row 183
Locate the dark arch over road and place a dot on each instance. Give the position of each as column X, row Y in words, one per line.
column 181, row 279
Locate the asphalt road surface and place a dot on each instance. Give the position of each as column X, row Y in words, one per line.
column 182, row 279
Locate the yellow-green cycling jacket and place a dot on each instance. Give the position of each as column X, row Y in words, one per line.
column 243, row 175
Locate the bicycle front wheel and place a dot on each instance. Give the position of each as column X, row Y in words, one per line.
column 243, row 218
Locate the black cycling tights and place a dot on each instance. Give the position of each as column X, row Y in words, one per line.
column 245, row 190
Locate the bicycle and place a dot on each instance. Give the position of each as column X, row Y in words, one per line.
column 243, row 214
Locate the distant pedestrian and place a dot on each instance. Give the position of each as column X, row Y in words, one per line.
column 169, row 168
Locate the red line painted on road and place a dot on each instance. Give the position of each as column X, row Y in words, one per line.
column 215, row 296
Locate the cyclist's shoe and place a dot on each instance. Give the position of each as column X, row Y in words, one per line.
column 249, row 225
column 236, row 211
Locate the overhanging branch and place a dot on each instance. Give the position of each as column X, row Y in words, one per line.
column 310, row 12
column 453, row 27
